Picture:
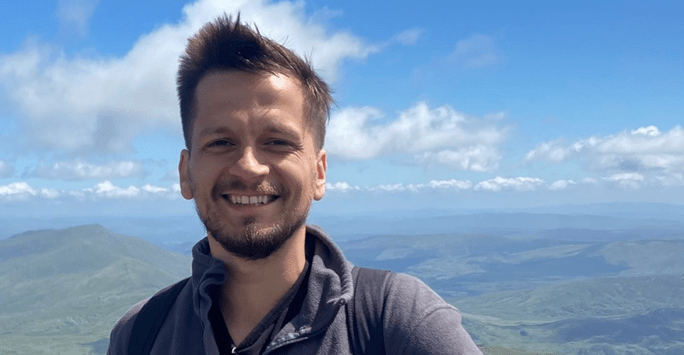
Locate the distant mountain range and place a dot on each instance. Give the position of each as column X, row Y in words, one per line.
column 548, row 295
column 605, row 221
column 603, row 293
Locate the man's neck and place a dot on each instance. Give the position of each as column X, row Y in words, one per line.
column 254, row 287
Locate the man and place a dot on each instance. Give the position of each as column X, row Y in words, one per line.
column 263, row 282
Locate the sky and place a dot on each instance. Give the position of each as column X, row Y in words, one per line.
column 439, row 105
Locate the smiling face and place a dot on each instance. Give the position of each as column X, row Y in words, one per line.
column 253, row 169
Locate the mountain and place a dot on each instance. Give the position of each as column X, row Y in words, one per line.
column 60, row 289
column 627, row 315
column 543, row 295
column 459, row 265
column 589, row 222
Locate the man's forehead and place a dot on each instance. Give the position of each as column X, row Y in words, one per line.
column 239, row 89
column 232, row 94
column 274, row 125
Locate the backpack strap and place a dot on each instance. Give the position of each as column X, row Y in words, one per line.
column 151, row 317
column 365, row 310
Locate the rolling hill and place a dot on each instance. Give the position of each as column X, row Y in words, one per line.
column 547, row 295
column 625, row 315
column 60, row 289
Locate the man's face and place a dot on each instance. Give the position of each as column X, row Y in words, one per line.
column 253, row 169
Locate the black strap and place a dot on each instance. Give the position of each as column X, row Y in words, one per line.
column 366, row 331
column 150, row 319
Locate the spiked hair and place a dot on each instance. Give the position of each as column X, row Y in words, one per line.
column 226, row 44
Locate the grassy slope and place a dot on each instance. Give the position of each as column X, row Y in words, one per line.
column 84, row 278
column 64, row 288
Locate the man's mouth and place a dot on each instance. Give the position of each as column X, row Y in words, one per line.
column 250, row 200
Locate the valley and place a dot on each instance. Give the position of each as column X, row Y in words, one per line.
column 567, row 290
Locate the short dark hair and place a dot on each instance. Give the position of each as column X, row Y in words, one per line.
column 225, row 44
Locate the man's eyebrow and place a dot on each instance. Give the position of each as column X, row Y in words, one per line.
column 278, row 127
column 272, row 127
column 213, row 130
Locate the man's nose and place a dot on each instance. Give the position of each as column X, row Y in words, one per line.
column 248, row 166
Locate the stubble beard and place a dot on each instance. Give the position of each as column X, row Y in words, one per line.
column 252, row 242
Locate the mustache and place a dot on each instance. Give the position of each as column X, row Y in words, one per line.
column 236, row 185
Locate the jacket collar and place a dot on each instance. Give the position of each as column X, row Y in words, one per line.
column 330, row 283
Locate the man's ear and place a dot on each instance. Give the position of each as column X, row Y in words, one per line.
column 185, row 188
column 321, row 167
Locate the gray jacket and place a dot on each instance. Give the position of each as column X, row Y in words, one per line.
column 415, row 319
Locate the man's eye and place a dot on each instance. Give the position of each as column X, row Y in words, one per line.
column 278, row 142
column 219, row 143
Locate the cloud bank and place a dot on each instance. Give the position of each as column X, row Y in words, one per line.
column 103, row 190
column 642, row 149
column 433, row 136
column 82, row 104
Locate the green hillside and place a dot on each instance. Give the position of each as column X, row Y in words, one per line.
column 60, row 289
column 539, row 295
column 626, row 315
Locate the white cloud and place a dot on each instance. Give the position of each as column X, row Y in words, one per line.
column 6, row 169
column 22, row 190
column 399, row 187
column 17, row 188
column 626, row 180
column 646, row 148
column 103, row 190
column 561, row 184
column 341, row 186
column 106, row 189
column 76, row 14
column 450, row 184
column 551, row 151
column 154, row 189
column 128, row 94
column 477, row 51
column 434, row 136
column 109, row 190
column 79, row 170
column 477, row 158
column 519, row 183
column 651, row 131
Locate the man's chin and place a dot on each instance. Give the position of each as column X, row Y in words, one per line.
column 256, row 242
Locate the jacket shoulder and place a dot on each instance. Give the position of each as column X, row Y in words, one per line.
column 418, row 321
column 121, row 333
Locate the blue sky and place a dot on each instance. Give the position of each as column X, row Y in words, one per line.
column 440, row 105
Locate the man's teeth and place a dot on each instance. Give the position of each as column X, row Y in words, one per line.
column 252, row 200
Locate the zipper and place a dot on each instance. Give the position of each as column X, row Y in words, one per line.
column 301, row 335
